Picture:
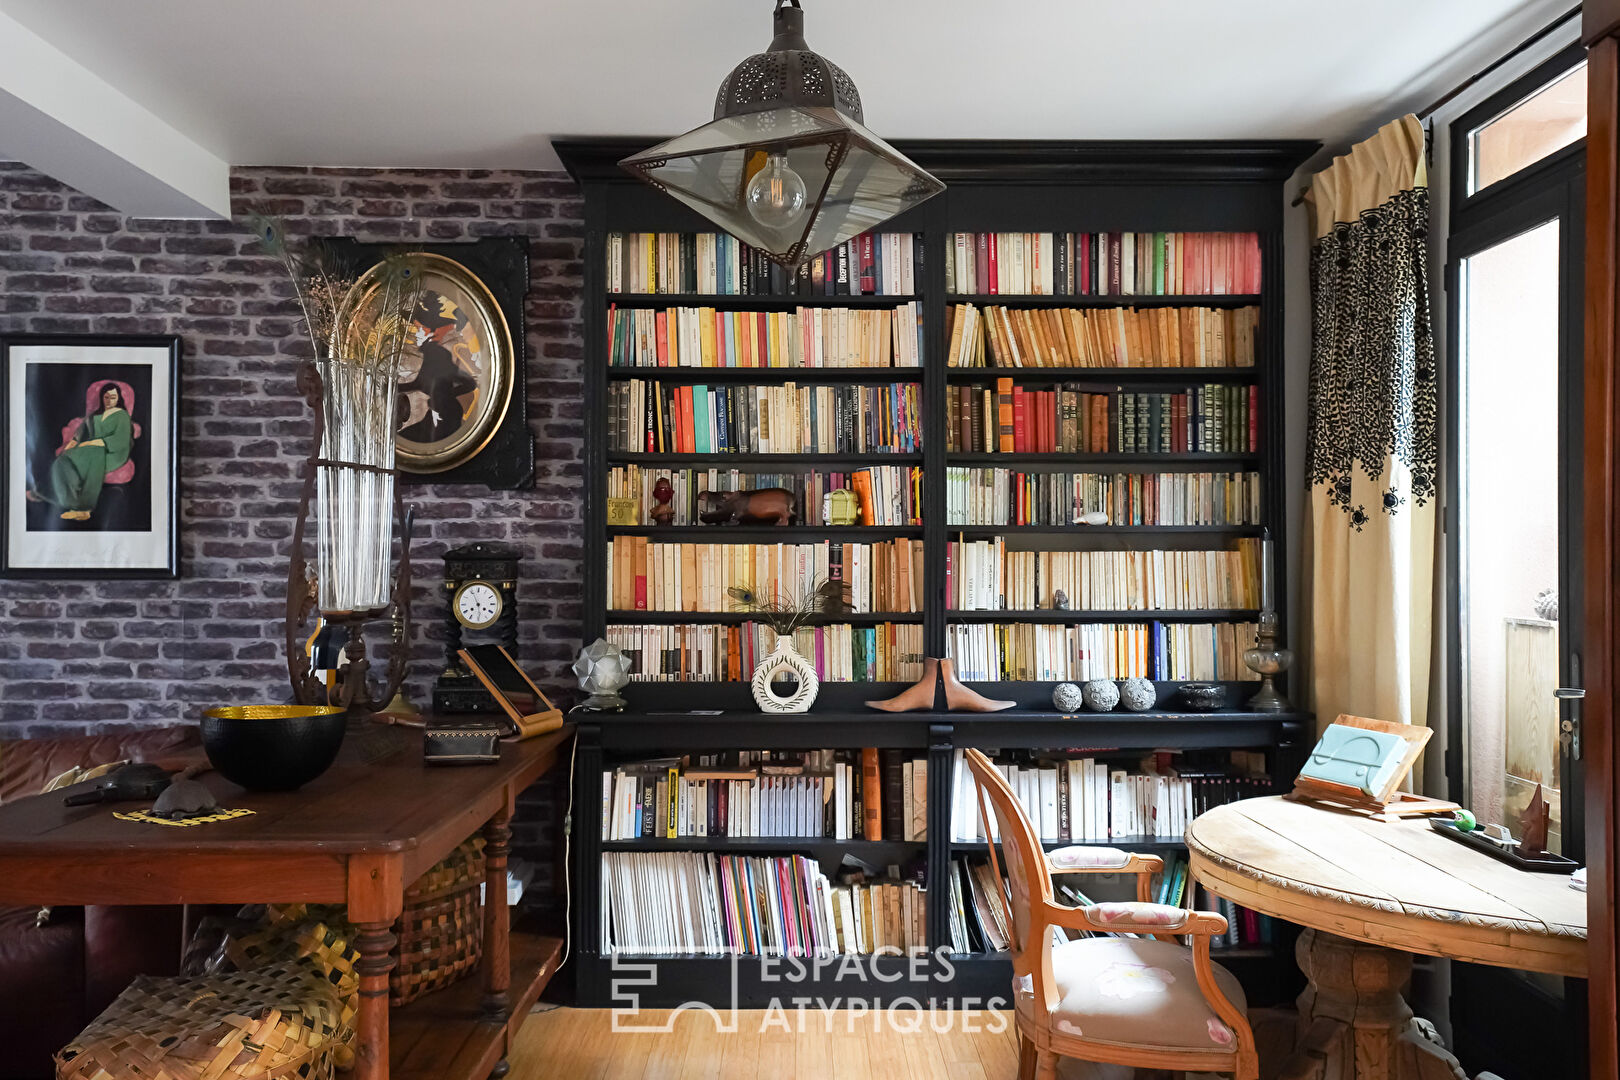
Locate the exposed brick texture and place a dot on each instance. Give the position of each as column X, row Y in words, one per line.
column 77, row 655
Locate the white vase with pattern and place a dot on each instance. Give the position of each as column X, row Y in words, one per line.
column 785, row 659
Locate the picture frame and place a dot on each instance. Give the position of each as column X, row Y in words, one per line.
column 464, row 411
column 531, row 713
column 106, row 506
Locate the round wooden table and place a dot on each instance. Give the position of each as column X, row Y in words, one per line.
column 1371, row 893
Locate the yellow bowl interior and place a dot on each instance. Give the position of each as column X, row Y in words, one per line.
column 269, row 712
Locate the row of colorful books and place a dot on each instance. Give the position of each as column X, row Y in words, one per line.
column 810, row 337
column 1091, row 800
column 650, row 417
column 703, row 904
column 1067, row 419
column 888, row 495
column 988, row 495
column 705, row 652
column 880, row 264
column 817, row 794
column 983, row 575
column 1117, row 337
column 1078, row 652
column 644, row 575
column 1103, row 263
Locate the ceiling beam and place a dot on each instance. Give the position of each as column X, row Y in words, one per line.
column 69, row 123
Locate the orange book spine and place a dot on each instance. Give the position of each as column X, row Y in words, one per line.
column 871, row 794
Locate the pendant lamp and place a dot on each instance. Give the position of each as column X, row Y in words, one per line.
column 787, row 166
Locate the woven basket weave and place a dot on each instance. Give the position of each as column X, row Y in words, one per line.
column 275, row 1024
column 441, row 930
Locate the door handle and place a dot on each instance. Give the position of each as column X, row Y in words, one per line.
column 1569, row 725
column 1569, row 693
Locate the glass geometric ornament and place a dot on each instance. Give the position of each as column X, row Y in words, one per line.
column 787, row 166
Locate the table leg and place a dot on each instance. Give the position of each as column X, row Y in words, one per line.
column 1353, row 1022
column 375, row 944
column 497, row 922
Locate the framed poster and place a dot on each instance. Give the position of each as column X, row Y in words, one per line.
column 89, row 456
column 462, row 410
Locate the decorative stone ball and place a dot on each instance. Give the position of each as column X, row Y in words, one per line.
column 1546, row 605
column 1060, row 600
column 1066, row 697
column 1101, row 695
column 1138, row 695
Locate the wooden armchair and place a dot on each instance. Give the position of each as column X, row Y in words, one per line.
column 1147, row 1002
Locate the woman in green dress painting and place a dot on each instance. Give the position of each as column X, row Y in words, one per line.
column 101, row 445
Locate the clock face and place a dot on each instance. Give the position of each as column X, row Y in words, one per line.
column 477, row 605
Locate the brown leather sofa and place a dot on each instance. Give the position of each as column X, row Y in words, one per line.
column 56, row 976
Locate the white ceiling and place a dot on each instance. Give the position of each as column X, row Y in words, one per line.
column 487, row 83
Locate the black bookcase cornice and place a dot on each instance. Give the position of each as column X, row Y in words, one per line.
column 1026, row 161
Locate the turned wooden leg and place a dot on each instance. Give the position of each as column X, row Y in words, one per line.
column 375, row 943
column 497, row 922
column 1353, row 1022
column 1045, row 1065
column 1026, row 1059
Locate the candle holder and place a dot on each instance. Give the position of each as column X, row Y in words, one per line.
column 1268, row 658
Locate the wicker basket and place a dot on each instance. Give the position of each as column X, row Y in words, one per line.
column 265, row 1025
column 441, row 930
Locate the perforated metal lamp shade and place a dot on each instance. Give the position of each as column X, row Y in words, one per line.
column 795, row 106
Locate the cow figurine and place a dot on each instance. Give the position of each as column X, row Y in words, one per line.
column 766, row 506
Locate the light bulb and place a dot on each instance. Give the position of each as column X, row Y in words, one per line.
column 775, row 196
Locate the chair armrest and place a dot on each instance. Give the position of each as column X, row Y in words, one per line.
column 1084, row 859
column 1136, row 917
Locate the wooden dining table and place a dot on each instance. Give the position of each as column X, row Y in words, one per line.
column 359, row 834
column 1371, row 893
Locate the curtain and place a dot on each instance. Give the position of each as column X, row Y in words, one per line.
column 1371, row 440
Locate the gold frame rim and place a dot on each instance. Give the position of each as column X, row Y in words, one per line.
column 270, row 712
column 505, row 367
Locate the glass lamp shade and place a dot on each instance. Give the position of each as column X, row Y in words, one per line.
column 787, row 166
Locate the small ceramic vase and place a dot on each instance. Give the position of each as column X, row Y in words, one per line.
column 785, row 658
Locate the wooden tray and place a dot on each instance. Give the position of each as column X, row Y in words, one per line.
column 1546, row 863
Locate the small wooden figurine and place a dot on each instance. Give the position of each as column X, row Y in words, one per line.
column 765, row 506
column 663, row 491
column 1533, row 826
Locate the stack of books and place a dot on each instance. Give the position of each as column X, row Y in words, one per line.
column 994, row 496
column 1043, row 652
column 1103, row 264
column 839, row 652
column 864, row 794
column 982, row 575
column 650, row 417
column 885, row 494
column 644, row 575
column 1091, row 801
column 702, row 904
column 819, row 337
column 1119, row 337
column 871, row 264
column 1010, row 419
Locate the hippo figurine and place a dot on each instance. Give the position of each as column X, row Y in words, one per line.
column 766, row 506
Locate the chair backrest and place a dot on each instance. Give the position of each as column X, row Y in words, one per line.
column 1028, row 878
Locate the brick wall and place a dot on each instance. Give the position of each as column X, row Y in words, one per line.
column 78, row 655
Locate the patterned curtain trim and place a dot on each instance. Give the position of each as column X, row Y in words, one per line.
column 1373, row 380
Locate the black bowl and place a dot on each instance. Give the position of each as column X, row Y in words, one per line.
column 273, row 747
column 1201, row 697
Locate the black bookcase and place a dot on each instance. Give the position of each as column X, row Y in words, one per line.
column 992, row 187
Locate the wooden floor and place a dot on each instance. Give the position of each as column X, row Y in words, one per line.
column 579, row 1044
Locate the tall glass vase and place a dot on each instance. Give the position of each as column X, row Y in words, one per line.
column 355, row 488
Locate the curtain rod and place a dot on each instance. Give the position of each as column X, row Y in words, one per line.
column 1482, row 73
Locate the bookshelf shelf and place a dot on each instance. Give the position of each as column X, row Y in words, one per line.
column 993, row 186
column 1100, row 615
column 1112, row 375
column 857, row 618
column 1133, row 462
column 769, row 375
column 728, row 302
column 787, row 534
column 1128, row 843
column 759, row 461
column 1133, row 300
column 989, row 531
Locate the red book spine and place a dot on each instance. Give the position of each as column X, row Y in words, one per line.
column 1020, row 420
column 981, row 262
column 868, row 265
column 1084, row 260
column 993, row 262
column 688, row 436
column 1049, row 419
column 1254, row 419
column 1113, row 264
column 661, row 322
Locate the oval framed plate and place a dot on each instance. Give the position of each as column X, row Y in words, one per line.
column 457, row 370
